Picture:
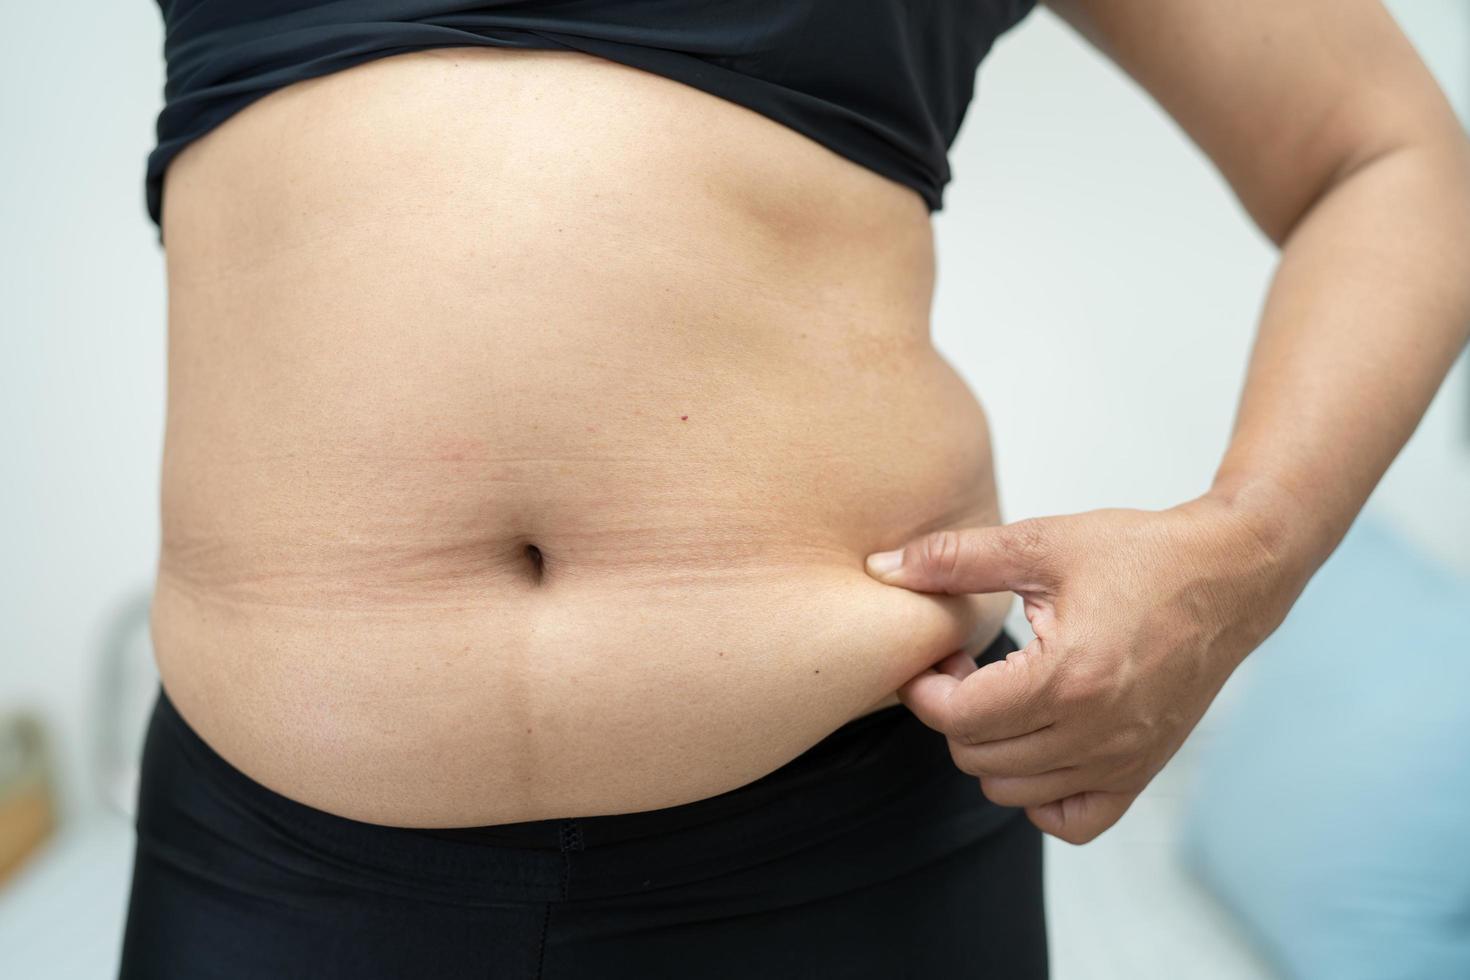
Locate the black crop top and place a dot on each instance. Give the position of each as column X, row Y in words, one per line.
column 884, row 83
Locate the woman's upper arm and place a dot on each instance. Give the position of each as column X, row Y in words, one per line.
column 1285, row 96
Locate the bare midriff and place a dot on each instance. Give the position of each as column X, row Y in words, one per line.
column 529, row 419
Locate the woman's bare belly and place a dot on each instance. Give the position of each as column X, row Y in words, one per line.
column 529, row 419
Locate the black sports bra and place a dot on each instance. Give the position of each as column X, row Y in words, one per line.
column 884, row 83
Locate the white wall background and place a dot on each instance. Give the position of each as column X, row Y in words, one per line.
column 81, row 347
column 1098, row 288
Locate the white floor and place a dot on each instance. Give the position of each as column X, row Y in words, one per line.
column 1119, row 907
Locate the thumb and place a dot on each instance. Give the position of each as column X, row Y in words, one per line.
column 1015, row 557
column 927, row 695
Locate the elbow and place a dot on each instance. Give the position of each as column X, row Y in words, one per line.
column 1438, row 160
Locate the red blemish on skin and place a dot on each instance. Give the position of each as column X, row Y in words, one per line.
column 456, row 449
column 683, row 418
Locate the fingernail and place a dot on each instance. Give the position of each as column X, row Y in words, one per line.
column 884, row 563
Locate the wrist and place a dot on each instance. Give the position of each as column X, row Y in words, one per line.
column 1268, row 548
column 1290, row 534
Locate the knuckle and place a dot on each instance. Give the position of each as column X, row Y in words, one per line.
column 1003, row 792
column 1030, row 685
column 966, row 729
column 1121, row 744
column 963, row 759
column 1138, row 736
column 982, row 763
column 1115, row 752
column 1082, row 688
column 942, row 552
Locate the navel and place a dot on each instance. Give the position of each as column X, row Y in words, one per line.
column 537, row 561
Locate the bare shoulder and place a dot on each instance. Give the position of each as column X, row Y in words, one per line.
column 1283, row 97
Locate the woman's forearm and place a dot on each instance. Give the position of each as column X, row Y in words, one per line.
column 1368, row 309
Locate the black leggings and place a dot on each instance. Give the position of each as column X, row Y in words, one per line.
column 870, row 855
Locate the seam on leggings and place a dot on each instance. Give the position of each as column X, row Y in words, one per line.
column 541, row 945
column 571, row 840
